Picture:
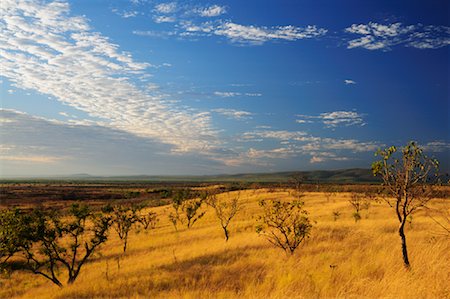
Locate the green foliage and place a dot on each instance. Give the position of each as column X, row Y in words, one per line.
column 186, row 210
column 284, row 224
column 13, row 233
column 63, row 242
column 225, row 209
column 123, row 219
column 408, row 177
column 148, row 220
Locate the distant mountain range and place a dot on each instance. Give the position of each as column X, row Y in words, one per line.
column 354, row 175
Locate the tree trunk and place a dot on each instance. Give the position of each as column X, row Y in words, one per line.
column 401, row 232
column 226, row 233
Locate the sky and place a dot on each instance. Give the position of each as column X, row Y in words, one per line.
column 215, row 87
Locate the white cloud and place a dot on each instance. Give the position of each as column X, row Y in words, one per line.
column 375, row 36
column 212, row 11
column 300, row 144
column 32, row 159
column 335, row 119
column 164, row 19
column 325, row 156
column 303, row 121
column 125, row 14
column 339, row 118
column 348, row 81
column 44, row 48
column 437, row 146
column 234, row 114
column 255, row 35
column 227, row 94
column 230, row 94
column 166, row 8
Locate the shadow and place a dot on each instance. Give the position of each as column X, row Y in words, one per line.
column 224, row 271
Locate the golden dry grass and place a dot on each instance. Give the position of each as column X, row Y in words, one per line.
column 198, row 263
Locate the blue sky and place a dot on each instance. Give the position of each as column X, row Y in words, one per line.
column 201, row 87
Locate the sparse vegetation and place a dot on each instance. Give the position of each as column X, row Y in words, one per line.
column 284, row 224
column 225, row 209
column 409, row 179
column 186, row 209
column 358, row 202
column 63, row 243
column 336, row 215
column 123, row 219
column 340, row 259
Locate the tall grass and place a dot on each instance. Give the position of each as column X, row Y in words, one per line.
column 341, row 259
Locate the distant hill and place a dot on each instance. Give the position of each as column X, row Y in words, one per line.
column 354, row 175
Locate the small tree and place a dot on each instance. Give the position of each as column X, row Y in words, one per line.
column 284, row 224
column 298, row 190
column 358, row 202
column 66, row 242
column 329, row 193
column 408, row 178
column 123, row 219
column 225, row 210
column 148, row 220
column 336, row 215
column 186, row 210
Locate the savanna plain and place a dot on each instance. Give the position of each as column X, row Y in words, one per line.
column 343, row 256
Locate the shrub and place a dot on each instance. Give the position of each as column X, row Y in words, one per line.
column 284, row 224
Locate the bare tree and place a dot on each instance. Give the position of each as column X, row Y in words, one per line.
column 408, row 178
column 225, row 208
column 284, row 224
column 297, row 181
column 329, row 193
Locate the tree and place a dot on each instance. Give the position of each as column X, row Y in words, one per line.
column 186, row 208
column 13, row 228
column 284, row 224
column 66, row 242
column 123, row 219
column 329, row 193
column 297, row 180
column 358, row 202
column 148, row 220
column 408, row 178
column 226, row 209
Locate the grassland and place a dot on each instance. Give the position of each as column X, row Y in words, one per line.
column 341, row 259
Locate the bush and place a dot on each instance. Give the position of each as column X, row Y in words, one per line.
column 284, row 224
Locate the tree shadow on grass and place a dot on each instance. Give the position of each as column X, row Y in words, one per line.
column 226, row 271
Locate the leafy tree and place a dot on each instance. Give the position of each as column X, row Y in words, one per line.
column 186, row 208
column 123, row 218
column 64, row 241
column 284, row 224
column 13, row 229
column 148, row 220
column 408, row 177
column 225, row 209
